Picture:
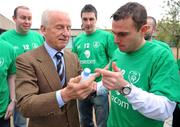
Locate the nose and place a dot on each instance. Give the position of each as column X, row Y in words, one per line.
column 27, row 20
column 66, row 32
column 88, row 22
column 116, row 39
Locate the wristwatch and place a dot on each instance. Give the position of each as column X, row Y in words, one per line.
column 126, row 90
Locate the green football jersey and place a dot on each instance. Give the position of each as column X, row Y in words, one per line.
column 151, row 68
column 23, row 42
column 94, row 50
column 7, row 67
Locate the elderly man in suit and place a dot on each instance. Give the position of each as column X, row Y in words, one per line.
column 45, row 95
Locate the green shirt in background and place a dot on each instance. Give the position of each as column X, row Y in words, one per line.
column 151, row 68
column 94, row 50
column 178, row 62
column 7, row 67
column 23, row 42
column 161, row 43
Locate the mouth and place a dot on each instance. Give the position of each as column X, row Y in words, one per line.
column 26, row 27
column 121, row 46
column 87, row 27
column 62, row 39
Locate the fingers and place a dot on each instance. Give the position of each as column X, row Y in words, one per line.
column 104, row 72
column 9, row 111
column 8, row 114
column 106, row 67
column 84, row 94
column 94, row 86
column 95, row 75
column 76, row 79
column 99, row 70
column 77, row 88
column 108, row 82
column 115, row 68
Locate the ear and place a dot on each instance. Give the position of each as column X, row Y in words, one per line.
column 43, row 30
column 14, row 18
column 144, row 28
column 154, row 30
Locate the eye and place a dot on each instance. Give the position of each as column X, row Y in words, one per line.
column 123, row 34
column 91, row 19
column 84, row 19
column 59, row 28
column 68, row 28
column 23, row 17
column 29, row 18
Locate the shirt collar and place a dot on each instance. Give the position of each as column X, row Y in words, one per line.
column 51, row 51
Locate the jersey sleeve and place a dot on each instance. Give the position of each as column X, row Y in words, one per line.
column 111, row 46
column 165, row 79
column 12, row 67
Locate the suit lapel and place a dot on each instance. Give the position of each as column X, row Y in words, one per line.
column 48, row 69
column 68, row 66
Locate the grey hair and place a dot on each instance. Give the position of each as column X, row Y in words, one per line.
column 45, row 17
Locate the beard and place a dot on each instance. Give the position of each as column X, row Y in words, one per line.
column 148, row 37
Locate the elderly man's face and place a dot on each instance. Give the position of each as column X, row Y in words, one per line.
column 58, row 30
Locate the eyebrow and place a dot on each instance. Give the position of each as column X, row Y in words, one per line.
column 121, row 33
column 87, row 18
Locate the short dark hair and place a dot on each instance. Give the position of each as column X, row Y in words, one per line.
column 19, row 7
column 89, row 8
column 134, row 10
column 154, row 20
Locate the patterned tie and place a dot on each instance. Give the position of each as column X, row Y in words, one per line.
column 60, row 67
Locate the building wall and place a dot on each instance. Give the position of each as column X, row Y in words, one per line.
column 5, row 23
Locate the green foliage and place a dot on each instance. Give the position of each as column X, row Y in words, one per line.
column 169, row 26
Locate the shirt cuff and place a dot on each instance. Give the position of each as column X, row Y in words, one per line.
column 134, row 92
column 59, row 98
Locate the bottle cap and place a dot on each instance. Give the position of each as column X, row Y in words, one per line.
column 87, row 72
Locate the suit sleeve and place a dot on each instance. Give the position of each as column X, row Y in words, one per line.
column 29, row 100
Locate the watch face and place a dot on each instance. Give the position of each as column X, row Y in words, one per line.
column 126, row 90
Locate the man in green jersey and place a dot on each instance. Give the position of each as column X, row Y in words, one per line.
column 94, row 48
column 23, row 39
column 7, row 82
column 176, row 113
column 143, row 80
column 151, row 22
column 151, row 31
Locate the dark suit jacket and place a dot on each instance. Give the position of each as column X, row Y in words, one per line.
column 36, row 83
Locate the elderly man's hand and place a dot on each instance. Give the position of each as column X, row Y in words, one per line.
column 78, row 89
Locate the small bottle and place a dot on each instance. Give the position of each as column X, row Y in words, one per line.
column 85, row 74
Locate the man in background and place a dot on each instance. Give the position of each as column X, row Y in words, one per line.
column 7, row 82
column 23, row 39
column 151, row 33
column 94, row 48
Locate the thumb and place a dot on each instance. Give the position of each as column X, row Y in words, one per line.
column 115, row 68
column 96, row 74
column 76, row 79
column 93, row 77
column 106, row 67
column 6, row 115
